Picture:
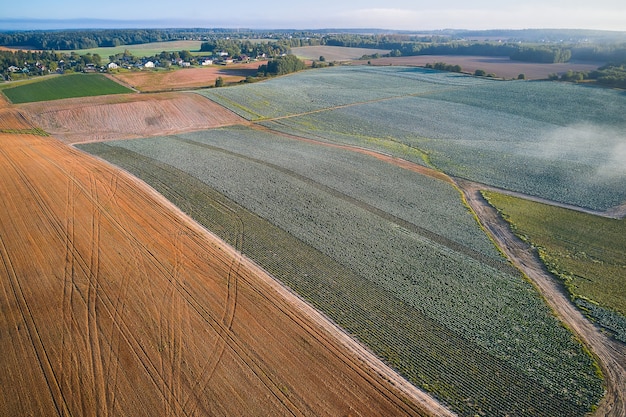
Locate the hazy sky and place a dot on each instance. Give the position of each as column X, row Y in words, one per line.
column 390, row 14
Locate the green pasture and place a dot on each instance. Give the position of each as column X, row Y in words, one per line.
column 66, row 86
column 586, row 251
column 145, row 49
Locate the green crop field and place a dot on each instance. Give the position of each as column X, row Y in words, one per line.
column 586, row 251
column 393, row 257
column 558, row 141
column 64, row 86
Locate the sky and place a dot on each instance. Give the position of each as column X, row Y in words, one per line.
column 289, row 14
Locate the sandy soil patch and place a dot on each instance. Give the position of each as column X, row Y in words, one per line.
column 186, row 78
column 502, row 67
column 127, row 116
column 114, row 303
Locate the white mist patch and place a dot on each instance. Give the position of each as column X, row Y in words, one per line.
column 600, row 147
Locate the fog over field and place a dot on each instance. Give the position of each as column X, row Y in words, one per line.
column 602, row 146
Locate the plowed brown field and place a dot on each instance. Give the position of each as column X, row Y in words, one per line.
column 179, row 79
column 13, row 120
column 114, row 303
column 127, row 116
column 502, row 67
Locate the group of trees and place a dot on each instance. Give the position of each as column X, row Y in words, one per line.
column 43, row 62
column 86, row 39
column 405, row 45
column 442, row 66
column 543, row 54
column 610, row 75
column 238, row 47
column 282, row 65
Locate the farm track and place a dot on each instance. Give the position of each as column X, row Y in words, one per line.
column 611, row 354
column 119, row 302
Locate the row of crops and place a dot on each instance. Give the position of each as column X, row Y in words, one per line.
column 393, row 257
column 553, row 140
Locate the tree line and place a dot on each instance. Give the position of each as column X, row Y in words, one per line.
column 610, row 75
column 405, row 45
column 64, row 40
column 237, row 47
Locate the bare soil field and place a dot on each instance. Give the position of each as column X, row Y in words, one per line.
column 186, row 78
column 334, row 53
column 502, row 67
column 112, row 302
column 127, row 116
column 11, row 119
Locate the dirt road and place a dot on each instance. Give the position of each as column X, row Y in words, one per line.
column 611, row 354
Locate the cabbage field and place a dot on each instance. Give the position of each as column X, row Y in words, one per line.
column 392, row 256
column 557, row 141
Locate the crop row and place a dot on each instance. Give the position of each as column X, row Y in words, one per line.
column 412, row 197
column 495, row 312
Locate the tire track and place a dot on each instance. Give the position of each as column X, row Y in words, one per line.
column 79, row 262
column 138, row 250
column 93, row 289
column 228, row 315
column 52, row 379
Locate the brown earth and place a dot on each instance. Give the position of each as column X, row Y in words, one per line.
column 186, row 78
column 334, row 53
column 112, row 302
column 127, row 116
column 502, row 67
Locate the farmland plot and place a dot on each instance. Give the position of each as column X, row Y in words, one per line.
column 404, row 289
column 309, row 90
column 577, row 165
column 555, row 141
column 586, row 251
column 127, row 116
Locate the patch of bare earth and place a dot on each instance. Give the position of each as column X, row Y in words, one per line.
column 502, row 67
column 186, row 78
column 112, row 302
column 127, row 116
